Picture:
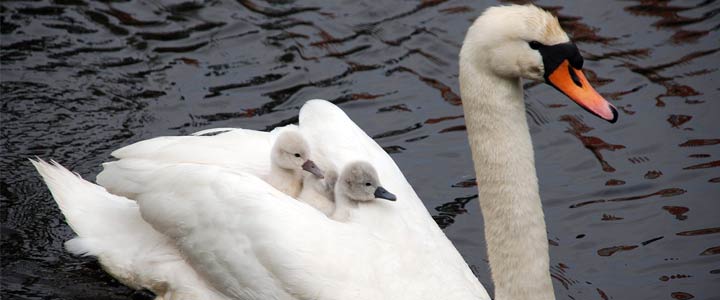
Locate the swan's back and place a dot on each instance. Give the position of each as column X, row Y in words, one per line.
column 337, row 138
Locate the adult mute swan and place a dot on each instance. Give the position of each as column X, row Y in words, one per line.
column 394, row 250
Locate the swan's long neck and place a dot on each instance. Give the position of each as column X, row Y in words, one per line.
column 502, row 153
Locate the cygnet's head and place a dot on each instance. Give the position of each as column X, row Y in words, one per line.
column 524, row 41
column 292, row 152
column 359, row 182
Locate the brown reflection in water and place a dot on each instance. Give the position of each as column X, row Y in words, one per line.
column 613, row 182
column 398, row 107
column 612, row 250
column 453, row 128
column 707, row 165
column 558, row 273
column 711, row 251
column 677, row 120
column 592, row 143
column 700, row 142
column 699, row 231
column 445, row 91
column 668, row 14
column 441, row 119
column 556, row 105
column 714, row 180
column 602, row 294
column 618, row 95
column 687, row 36
column 681, row 295
column 456, row 10
column 653, row 174
column 677, row 211
column 672, row 88
column 676, row 276
column 669, row 192
column 466, row 183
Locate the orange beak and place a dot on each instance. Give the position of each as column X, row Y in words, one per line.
column 572, row 83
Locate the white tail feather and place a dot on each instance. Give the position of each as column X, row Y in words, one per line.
column 110, row 228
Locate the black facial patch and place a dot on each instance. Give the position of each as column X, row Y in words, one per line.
column 554, row 55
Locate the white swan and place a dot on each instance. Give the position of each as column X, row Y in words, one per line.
column 280, row 157
column 397, row 251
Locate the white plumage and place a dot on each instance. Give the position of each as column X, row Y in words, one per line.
column 110, row 228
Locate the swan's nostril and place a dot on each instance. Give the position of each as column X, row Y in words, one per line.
column 574, row 76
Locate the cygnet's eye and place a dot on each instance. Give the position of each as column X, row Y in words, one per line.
column 297, row 155
column 368, row 184
column 535, row 45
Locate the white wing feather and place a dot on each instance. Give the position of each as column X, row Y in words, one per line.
column 246, row 150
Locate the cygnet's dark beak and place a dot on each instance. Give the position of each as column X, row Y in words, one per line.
column 311, row 167
column 382, row 193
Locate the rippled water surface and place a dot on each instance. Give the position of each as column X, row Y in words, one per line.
column 633, row 209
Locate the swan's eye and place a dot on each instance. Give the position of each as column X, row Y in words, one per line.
column 368, row 184
column 535, row 45
column 297, row 154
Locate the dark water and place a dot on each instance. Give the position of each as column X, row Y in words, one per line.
column 633, row 209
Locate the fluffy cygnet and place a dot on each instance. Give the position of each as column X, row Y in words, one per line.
column 358, row 182
column 289, row 158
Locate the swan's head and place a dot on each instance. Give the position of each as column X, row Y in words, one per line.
column 359, row 182
column 523, row 41
column 292, row 152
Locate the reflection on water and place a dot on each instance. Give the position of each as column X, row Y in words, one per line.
column 631, row 207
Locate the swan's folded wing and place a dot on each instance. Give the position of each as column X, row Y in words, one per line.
column 247, row 150
column 254, row 242
column 201, row 149
column 111, row 228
